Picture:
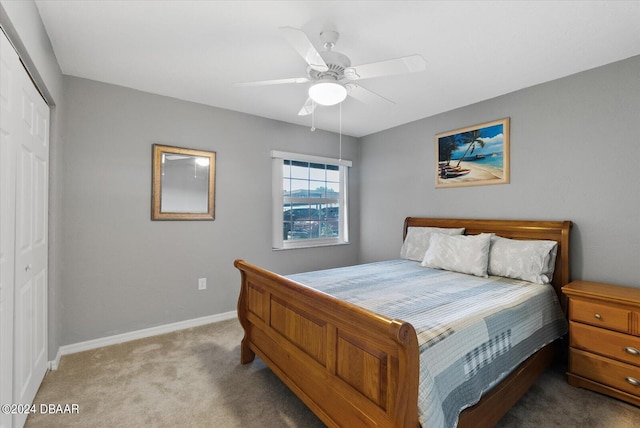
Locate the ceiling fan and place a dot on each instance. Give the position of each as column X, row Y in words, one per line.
column 331, row 75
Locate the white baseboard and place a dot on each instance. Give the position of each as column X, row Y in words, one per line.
column 138, row 334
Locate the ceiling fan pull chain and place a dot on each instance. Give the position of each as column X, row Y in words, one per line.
column 313, row 115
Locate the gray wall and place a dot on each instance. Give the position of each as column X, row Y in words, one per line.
column 575, row 155
column 21, row 21
column 124, row 272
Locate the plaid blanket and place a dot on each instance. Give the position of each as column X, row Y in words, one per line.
column 472, row 331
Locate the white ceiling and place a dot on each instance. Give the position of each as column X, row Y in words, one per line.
column 475, row 50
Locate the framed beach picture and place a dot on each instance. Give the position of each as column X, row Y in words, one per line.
column 473, row 156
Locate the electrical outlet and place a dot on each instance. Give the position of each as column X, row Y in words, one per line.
column 202, row 284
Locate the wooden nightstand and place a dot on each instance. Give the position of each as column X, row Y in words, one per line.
column 604, row 339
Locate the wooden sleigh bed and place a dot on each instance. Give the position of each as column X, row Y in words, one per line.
column 356, row 368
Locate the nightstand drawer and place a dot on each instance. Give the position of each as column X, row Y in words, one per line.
column 605, row 316
column 620, row 346
column 624, row 377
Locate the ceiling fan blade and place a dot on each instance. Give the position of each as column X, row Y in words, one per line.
column 301, row 43
column 273, row 82
column 406, row 64
column 308, row 108
column 366, row 96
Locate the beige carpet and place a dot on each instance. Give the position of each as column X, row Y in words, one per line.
column 193, row 378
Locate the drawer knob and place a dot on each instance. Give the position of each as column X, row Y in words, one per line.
column 598, row 316
column 633, row 381
column 632, row 351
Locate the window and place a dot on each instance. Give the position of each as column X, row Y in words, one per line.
column 309, row 200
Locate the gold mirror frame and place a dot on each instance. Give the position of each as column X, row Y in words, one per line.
column 160, row 152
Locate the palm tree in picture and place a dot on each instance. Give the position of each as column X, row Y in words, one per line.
column 473, row 139
column 446, row 146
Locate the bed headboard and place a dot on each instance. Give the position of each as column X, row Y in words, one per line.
column 514, row 229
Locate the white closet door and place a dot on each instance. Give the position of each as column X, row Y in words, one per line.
column 8, row 57
column 29, row 136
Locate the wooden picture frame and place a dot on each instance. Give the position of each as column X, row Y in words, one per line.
column 183, row 184
column 473, row 156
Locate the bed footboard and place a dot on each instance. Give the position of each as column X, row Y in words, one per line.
column 351, row 367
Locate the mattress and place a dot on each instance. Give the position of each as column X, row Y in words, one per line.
column 472, row 332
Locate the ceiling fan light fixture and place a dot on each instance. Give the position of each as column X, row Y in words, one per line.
column 327, row 93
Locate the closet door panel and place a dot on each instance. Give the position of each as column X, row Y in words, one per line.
column 8, row 58
column 24, row 203
column 24, row 169
column 30, row 294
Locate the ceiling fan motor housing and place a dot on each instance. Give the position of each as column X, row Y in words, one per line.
column 336, row 62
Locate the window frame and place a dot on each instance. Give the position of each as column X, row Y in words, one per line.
column 278, row 241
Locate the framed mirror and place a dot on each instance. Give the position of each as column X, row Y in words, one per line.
column 183, row 185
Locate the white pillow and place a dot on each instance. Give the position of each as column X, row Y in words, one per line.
column 533, row 261
column 464, row 253
column 418, row 238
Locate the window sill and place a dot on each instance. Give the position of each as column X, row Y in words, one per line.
column 299, row 247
